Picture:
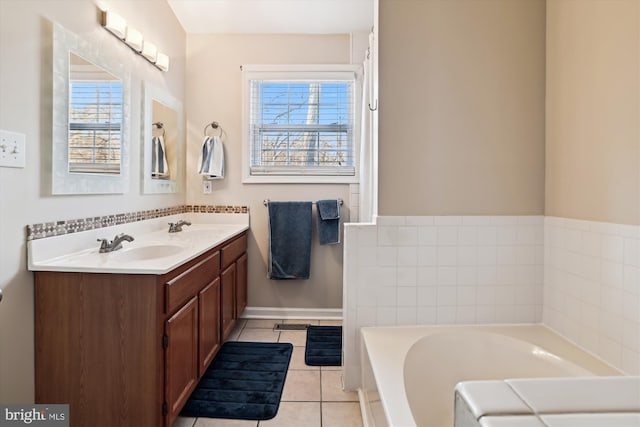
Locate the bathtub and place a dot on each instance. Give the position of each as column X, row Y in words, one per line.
column 409, row 373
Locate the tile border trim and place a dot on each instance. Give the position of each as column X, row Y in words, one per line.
column 62, row 227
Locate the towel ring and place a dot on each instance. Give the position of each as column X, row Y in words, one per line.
column 214, row 126
column 159, row 126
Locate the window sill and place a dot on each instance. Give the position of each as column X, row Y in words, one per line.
column 299, row 179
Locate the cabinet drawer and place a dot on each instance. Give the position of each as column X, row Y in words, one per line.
column 233, row 250
column 188, row 283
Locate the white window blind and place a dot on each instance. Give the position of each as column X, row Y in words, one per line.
column 95, row 118
column 300, row 124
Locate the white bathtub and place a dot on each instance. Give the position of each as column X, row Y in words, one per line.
column 409, row 373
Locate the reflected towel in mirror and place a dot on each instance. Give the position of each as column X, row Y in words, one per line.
column 159, row 165
column 211, row 160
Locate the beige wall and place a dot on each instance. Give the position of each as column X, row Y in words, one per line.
column 593, row 115
column 461, row 107
column 25, row 107
column 214, row 92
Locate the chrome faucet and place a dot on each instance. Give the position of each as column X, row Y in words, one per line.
column 175, row 227
column 115, row 244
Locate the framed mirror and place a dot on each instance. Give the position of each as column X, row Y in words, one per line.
column 91, row 91
column 162, row 142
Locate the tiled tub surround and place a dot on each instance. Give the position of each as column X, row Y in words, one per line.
column 431, row 270
column 592, row 287
column 78, row 252
column 409, row 373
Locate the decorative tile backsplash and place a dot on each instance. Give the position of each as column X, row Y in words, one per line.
column 57, row 228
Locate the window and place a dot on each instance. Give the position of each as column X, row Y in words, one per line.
column 300, row 123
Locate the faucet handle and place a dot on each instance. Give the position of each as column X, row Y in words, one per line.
column 104, row 243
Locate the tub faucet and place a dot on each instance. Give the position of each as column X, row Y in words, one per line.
column 115, row 244
column 175, row 227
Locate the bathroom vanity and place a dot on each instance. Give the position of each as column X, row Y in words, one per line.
column 126, row 347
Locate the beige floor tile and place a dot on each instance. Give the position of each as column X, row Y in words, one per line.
column 330, row 322
column 219, row 422
column 331, row 368
column 297, row 360
column 332, row 388
column 183, row 422
column 235, row 333
column 262, row 323
column 301, row 386
column 260, row 335
column 295, row 414
column 341, row 414
column 303, row 321
column 297, row 338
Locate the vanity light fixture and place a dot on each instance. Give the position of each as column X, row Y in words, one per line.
column 150, row 51
column 133, row 38
column 162, row 61
column 114, row 23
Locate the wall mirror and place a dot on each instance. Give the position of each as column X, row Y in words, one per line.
column 162, row 142
column 91, row 91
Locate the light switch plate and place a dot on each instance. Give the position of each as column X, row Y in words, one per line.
column 12, row 149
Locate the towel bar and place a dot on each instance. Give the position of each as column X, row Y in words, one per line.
column 266, row 202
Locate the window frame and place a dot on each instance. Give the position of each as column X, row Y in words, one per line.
column 291, row 73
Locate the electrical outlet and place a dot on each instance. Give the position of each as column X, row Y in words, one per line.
column 12, row 149
column 206, row 186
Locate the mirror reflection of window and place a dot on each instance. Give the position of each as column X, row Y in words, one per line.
column 95, row 118
column 160, row 113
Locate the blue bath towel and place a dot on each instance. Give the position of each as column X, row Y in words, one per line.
column 289, row 240
column 328, row 221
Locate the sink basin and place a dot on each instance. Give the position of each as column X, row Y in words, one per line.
column 147, row 252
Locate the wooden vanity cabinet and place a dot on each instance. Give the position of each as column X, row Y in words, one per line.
column 128, row 349
column 233, row 282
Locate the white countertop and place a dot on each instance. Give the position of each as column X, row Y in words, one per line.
column 78, row 252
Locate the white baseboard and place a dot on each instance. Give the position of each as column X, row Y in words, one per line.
column 292, row 313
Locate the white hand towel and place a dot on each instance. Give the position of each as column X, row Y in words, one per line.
column 159, row 165
column 211, row 161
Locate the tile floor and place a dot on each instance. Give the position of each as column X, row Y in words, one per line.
column 312, row 396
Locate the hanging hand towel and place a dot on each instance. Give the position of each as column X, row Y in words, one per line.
column 328, row 221
column 289, row 240
column 211, row 160
column 159, row 166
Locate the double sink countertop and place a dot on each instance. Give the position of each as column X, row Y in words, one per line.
column 153, row 251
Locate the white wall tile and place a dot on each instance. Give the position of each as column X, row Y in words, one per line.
column 427, row 236
column 407, row 275
column 427, row 296
column 447, row 255
column 407, row 296
column 447, row 220
column 427, row 255
column 447, row 235
column 592, row 288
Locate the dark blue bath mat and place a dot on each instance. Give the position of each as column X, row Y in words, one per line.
column 244, row 381
column 324, row 346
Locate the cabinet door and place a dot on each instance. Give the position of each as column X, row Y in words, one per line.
column 209, row 312
column 228, row 305
column 241, row 284
column 181, row 370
